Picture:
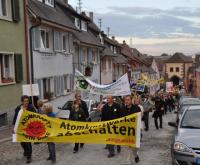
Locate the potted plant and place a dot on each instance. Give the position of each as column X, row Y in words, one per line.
column 48, row 95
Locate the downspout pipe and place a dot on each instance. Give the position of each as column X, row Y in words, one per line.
column 31, row 74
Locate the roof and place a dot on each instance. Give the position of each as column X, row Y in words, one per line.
column 132, row 54
column 120, row 59
column 87, row 38
column 55, row 15
column 108, row 52
column 110, row 41
column 144, row 69
column 179, row 58
column 94, row 27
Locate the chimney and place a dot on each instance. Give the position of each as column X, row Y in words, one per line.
column 124, row 42
column 91, row 14
column 113, row 38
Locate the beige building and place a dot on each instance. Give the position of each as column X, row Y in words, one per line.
column 176, row 68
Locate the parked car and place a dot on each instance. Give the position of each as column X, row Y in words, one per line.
column 185, row 147
column 94, row 114
column 186, row 104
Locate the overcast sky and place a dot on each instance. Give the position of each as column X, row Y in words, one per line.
column 156, row 26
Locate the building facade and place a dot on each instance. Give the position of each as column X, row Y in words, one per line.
column 176, row 68
column 13, row 66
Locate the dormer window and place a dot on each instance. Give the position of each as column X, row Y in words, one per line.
column 77, row 23
column 50, row 2
column 83, row 25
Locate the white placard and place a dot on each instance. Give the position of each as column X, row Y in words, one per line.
column 27, row 90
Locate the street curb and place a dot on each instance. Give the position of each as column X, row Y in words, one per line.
column 5, row 140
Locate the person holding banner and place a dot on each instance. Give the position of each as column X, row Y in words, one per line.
column 77, row 114
column 111, row 110
column 129, row 109
column 25, row 106
column 48, row 110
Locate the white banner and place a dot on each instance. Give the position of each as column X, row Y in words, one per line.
column 119, row 88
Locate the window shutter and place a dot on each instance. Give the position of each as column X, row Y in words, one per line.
column 15, row 10
column 71, row 46
column 36, row 38
column 18, row 68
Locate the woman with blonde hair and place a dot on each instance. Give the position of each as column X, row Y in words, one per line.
column 48, row 110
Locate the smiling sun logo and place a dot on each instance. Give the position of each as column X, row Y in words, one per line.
column 35, row 129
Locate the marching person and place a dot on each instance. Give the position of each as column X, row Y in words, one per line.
column 110, row 111
column 77, row 114
column 25, row 106
column 148, row 106
column 129, row 109
column 158, row 113
column 48, row 110
column 84, row 107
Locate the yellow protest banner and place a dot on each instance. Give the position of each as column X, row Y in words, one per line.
column 33, row 127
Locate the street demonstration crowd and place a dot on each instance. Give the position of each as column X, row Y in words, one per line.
column 115, row 107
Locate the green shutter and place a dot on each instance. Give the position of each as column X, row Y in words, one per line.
column 18, row 68
column 15, row 10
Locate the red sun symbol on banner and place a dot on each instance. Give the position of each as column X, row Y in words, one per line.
column 35, row 129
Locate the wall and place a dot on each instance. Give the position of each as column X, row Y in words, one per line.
column 53, row 65
column 107, row 75
column 180, row 74
column 197, row 90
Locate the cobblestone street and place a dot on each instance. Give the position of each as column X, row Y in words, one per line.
column 155, row 150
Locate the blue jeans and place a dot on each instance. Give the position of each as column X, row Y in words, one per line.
column 52, row 151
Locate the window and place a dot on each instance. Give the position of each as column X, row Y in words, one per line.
column 83, row 25
column 171, row 69
column 104, row 64
column 50, row 2
column 177, row 69
column 94, row 56
column 110, row 63
column 65, row 42
column 77, row 23
column 7, row 74
column 44, row 39
column 115, row 50
column 5, row 9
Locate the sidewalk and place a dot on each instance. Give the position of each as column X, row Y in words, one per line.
column 5, row 134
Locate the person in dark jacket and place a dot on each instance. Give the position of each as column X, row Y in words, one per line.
column 129, row 109
column 48, row 110
column 158, row 113
column 25, row 105
column 110, row 111
column 83, row 104
column 77, row 114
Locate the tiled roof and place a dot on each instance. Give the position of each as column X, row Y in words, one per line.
column 120, row 59
column 87, row 38
column 55, row 15
column 179, row 58
column 108, row 52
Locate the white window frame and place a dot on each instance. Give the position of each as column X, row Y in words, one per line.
column 84, row 25
column 67, row 46
column 50, row 2
column 77, row 23
column 11, row 67
column 8, row 15
column 43, row 45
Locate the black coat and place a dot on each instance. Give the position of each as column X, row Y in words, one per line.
column 30, row 108
column 111, row 112
column 128, row 111
column 84, row 108
column 77, row 115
